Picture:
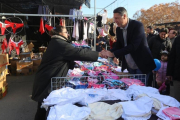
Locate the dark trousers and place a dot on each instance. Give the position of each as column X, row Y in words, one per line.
column 41, row 113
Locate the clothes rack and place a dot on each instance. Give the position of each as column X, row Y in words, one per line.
column 47, row 15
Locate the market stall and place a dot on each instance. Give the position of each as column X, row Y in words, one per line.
column 93, row 91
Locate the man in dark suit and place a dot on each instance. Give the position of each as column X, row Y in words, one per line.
column 131, row 47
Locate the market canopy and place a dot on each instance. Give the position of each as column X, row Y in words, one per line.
column 31, row 6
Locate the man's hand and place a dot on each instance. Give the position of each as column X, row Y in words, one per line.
column 103, row 53
column 116, row 61
column 109, row 54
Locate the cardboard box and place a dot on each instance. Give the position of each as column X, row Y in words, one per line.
column 2, row 81
column 42, row 49
column 25, row 55
column 4, row 60
column 1, row 93
column 24, row 71
column 13, row 61
column 21, row 65
column 36, row 62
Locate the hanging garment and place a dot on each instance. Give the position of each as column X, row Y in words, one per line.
column 79, row 14
column 61, row 22
column 41, row 29
column 64, row 22
column 15, row 45
column 76, row 30
column 99, row 21
column 85, row 31
column 3, row 27
column 48, row 27
column 71, row 13
column 104, row 18
column 14, row 26
column 10, row 46
column 4, row 46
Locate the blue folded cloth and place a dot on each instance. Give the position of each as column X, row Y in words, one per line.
column 97, row 64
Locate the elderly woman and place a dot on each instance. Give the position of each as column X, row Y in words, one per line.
column 57, row 60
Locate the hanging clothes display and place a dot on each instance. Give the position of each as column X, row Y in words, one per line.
column 104, row 17
column 48, row 27
column 62, row 22
column 14, row 26
column 3, row 27
column 85, row 31
column 41, row 29
column 76, row 30
column 4, row 45
column 73, row 12
column 14, row 45
column 99, row 21
column 81, row 29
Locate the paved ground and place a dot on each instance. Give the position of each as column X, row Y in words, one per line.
column 17, row 105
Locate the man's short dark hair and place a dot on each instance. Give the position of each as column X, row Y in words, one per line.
column 121, row 11
column 175, row 32
column 150, row 27
column 164, row 30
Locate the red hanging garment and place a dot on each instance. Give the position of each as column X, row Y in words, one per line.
column 14, row 26
column 48, row 27
column 61, row 22
column 10, row 46
column 41, row 29
column 15, row 45
column 3, row 27
column 4, row 46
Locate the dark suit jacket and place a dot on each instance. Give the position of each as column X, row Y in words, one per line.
column 173, row 67
column 136, row 45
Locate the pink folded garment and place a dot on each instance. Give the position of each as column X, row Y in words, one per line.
column 172, row 112
column 92, row 85
column 76, row 72
column 102, row 68
column 130, row 82
column 93, row 73
column 110, row 76
column 92, row 80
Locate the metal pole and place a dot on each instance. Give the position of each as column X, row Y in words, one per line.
column 39, row 15
column 94, row 25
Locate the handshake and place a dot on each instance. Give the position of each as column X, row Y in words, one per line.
column 106, row 54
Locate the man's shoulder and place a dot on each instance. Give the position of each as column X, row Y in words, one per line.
column 177, row 39
column 135, row 22
column 154, row 38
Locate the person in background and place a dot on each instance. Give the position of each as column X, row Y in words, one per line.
column 172, row 35
column 173, row 68
column 151, row 32
column 56, row 61
column 131, row 46
column 161, row 78
column 159, row 43
column 112, row 35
